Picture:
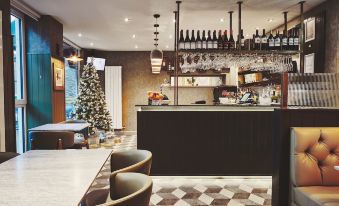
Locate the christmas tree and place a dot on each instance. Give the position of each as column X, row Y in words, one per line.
column 90, row 104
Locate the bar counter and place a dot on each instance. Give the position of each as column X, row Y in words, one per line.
column 207, row 139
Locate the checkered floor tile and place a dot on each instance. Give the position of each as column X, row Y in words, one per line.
column 191, row 191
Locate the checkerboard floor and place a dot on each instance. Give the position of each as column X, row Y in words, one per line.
column 194, row 191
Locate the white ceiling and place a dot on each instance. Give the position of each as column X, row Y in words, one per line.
column 101, row 22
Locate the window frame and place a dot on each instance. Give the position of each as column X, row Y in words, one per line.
column 22, row 103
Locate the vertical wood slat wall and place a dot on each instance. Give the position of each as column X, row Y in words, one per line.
column 44, row 40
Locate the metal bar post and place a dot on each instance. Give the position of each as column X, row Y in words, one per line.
column 239, row 25
column 176, row 87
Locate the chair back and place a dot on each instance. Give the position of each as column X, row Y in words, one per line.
column 45, row 140
column 4, row 156
column 130, row 189
column 314, row 153
column 70, row 121
column 139, row 161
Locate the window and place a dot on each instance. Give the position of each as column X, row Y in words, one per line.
column 19, row 81
column 71, row 80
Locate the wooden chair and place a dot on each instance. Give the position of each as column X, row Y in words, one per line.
column 139, row 161
column 129, row 189
column 46, row 140
column 4, row 156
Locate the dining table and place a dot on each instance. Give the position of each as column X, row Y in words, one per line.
column 50, row 177
column 69, row 127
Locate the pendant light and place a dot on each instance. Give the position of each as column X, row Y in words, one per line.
column 74, row 57
column 156, row 54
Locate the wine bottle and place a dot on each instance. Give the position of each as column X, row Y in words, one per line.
column 193, row 42
column 264, row 42
column 277, row 41
column 253, row 43
column 296, row 39
column 225, row 41
column 220, row 41
column 284, row 41
column 204, row 41
column 181, row 40
column 209, row 40
column 198, row 43
column 257, row 40
column 187, row 41
column 242, row 39
column 290, row 40
column 215, row 40
column 271, row 42
column 231, row 44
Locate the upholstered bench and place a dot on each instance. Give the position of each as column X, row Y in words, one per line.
column 314, row 153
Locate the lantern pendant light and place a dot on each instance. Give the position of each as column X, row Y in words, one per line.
column 156, row 54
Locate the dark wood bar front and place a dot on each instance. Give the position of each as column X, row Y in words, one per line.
column 207, row 140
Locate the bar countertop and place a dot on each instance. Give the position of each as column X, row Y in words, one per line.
column 204, row 107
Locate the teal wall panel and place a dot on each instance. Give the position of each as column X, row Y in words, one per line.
column 39, row 90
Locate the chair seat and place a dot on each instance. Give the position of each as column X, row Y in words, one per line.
column 316, row 195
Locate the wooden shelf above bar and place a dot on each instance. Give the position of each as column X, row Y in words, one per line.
column 282, row 52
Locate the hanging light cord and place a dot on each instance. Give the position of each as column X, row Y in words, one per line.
column 156, row 25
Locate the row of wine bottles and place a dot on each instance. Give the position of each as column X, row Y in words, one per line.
column 285, row 41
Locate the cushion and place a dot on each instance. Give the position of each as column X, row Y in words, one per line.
column 314, row 153
column 316, row 195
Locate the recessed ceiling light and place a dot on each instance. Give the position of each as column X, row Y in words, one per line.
column 127, row 19
column 167, row 46
column 170, row 36
column 247, row 35
column 136, row 46
column 173, row 20
column 133, row 36
column 269, row 20
column 80, row 35
column 222, row 20
column 91, row 43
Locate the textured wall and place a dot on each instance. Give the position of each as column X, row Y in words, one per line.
column 332, row 36
column 137, row 79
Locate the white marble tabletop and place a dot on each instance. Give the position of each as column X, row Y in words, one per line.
column 336, row 167
column 61, row 127
column 50, row 177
